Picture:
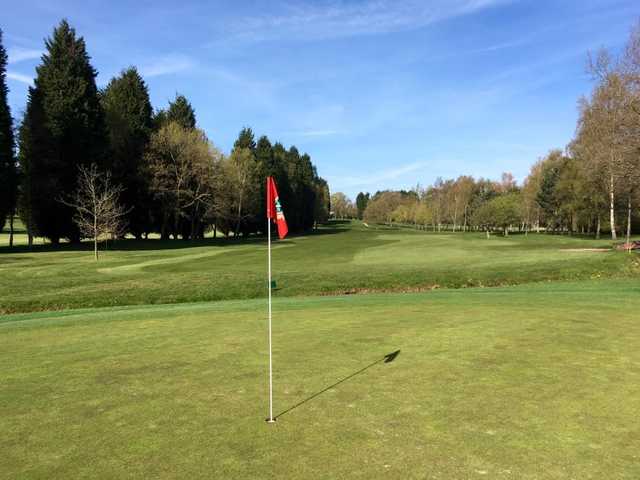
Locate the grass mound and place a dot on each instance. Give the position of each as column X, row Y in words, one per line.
column 339, row 258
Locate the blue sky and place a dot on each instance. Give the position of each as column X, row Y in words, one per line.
column 381, row 93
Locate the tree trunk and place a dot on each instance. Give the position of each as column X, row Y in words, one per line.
column 612, row 214
column 11, row 230
column 464, row 226
column 598, row 228
column 95, row 236
column 629, row 224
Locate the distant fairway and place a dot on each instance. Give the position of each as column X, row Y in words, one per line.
column 530, row 382
column 337, row 259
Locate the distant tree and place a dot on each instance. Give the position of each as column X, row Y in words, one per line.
column 65, row 130
column 181, row 112
column 98, row 211
column 502, row 211
column 159, row 119
column 236, row 191
column 507, row 210
column 322, row 205
column 423, row 214
column 245, row 139
column 341, row 206
column 381, row 207
column 361, row 203
column 181, row 166
column 508, row 183
column 128, row 114
column 530, row 189
column 264, row 167
column 31, row 150
column 602, row 137
column 484, row 217
column 466, row 189
column 8, row 172
column 546, row 197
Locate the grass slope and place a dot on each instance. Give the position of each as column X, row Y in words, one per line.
column 529, row 382
column 338, row 258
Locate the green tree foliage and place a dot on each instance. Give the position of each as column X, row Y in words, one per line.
column 382, row 205
column 30, row 149
column 8, row 173
column 245, row 139
column 342, row 207
column 304, row 195
column 322, row 205
column 181, row 112
column 547, row 196
column 503, row 211
column 361, row 203
column 69, row 132
column 181, row 169
column 128, row 115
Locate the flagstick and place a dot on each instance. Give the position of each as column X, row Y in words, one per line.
column 270, row 419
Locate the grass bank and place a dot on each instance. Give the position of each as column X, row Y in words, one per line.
column 336, row 259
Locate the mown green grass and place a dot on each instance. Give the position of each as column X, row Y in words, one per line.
column 537, row 381
column 338, row 258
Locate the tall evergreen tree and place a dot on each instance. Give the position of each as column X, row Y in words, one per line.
column 65, row 99
column 181, row 112
column 8, row 175
column 361, row 203
column 128, row 115
column 245, row 139
column 31, row 131
column 308, row 196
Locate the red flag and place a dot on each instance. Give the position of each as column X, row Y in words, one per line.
column 274, row 209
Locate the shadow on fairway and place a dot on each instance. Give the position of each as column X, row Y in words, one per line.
column 388, row 358
column 130, row 244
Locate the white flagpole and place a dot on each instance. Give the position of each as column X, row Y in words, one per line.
column 270, row 419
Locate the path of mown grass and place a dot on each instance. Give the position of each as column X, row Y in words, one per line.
column 530, row 382
column 339, row 258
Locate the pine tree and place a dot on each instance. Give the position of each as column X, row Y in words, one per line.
column 245, row 139
column 31, row 148
column 8, row 175
column 66, row 126
column 181, row 112
column 361, row 203
column 128, row 115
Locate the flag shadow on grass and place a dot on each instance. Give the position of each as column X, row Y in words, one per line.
column 388, row 358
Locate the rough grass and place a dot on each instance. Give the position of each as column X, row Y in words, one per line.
column 530, row 382
column 339, row 258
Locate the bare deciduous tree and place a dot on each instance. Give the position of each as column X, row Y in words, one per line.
column 99, row 214
column 181, row 169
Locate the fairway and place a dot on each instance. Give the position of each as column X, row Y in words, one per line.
column 530, row 382
column 339, row 258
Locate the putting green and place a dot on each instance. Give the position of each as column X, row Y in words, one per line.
column 538, row 381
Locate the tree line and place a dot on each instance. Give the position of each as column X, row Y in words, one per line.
column 164, row 174
column 591, row 186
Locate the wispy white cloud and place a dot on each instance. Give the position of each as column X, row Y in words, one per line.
column 169, row 64
column 376, row 179
column 19, row 77
column 330, row 19
column 19, row 54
